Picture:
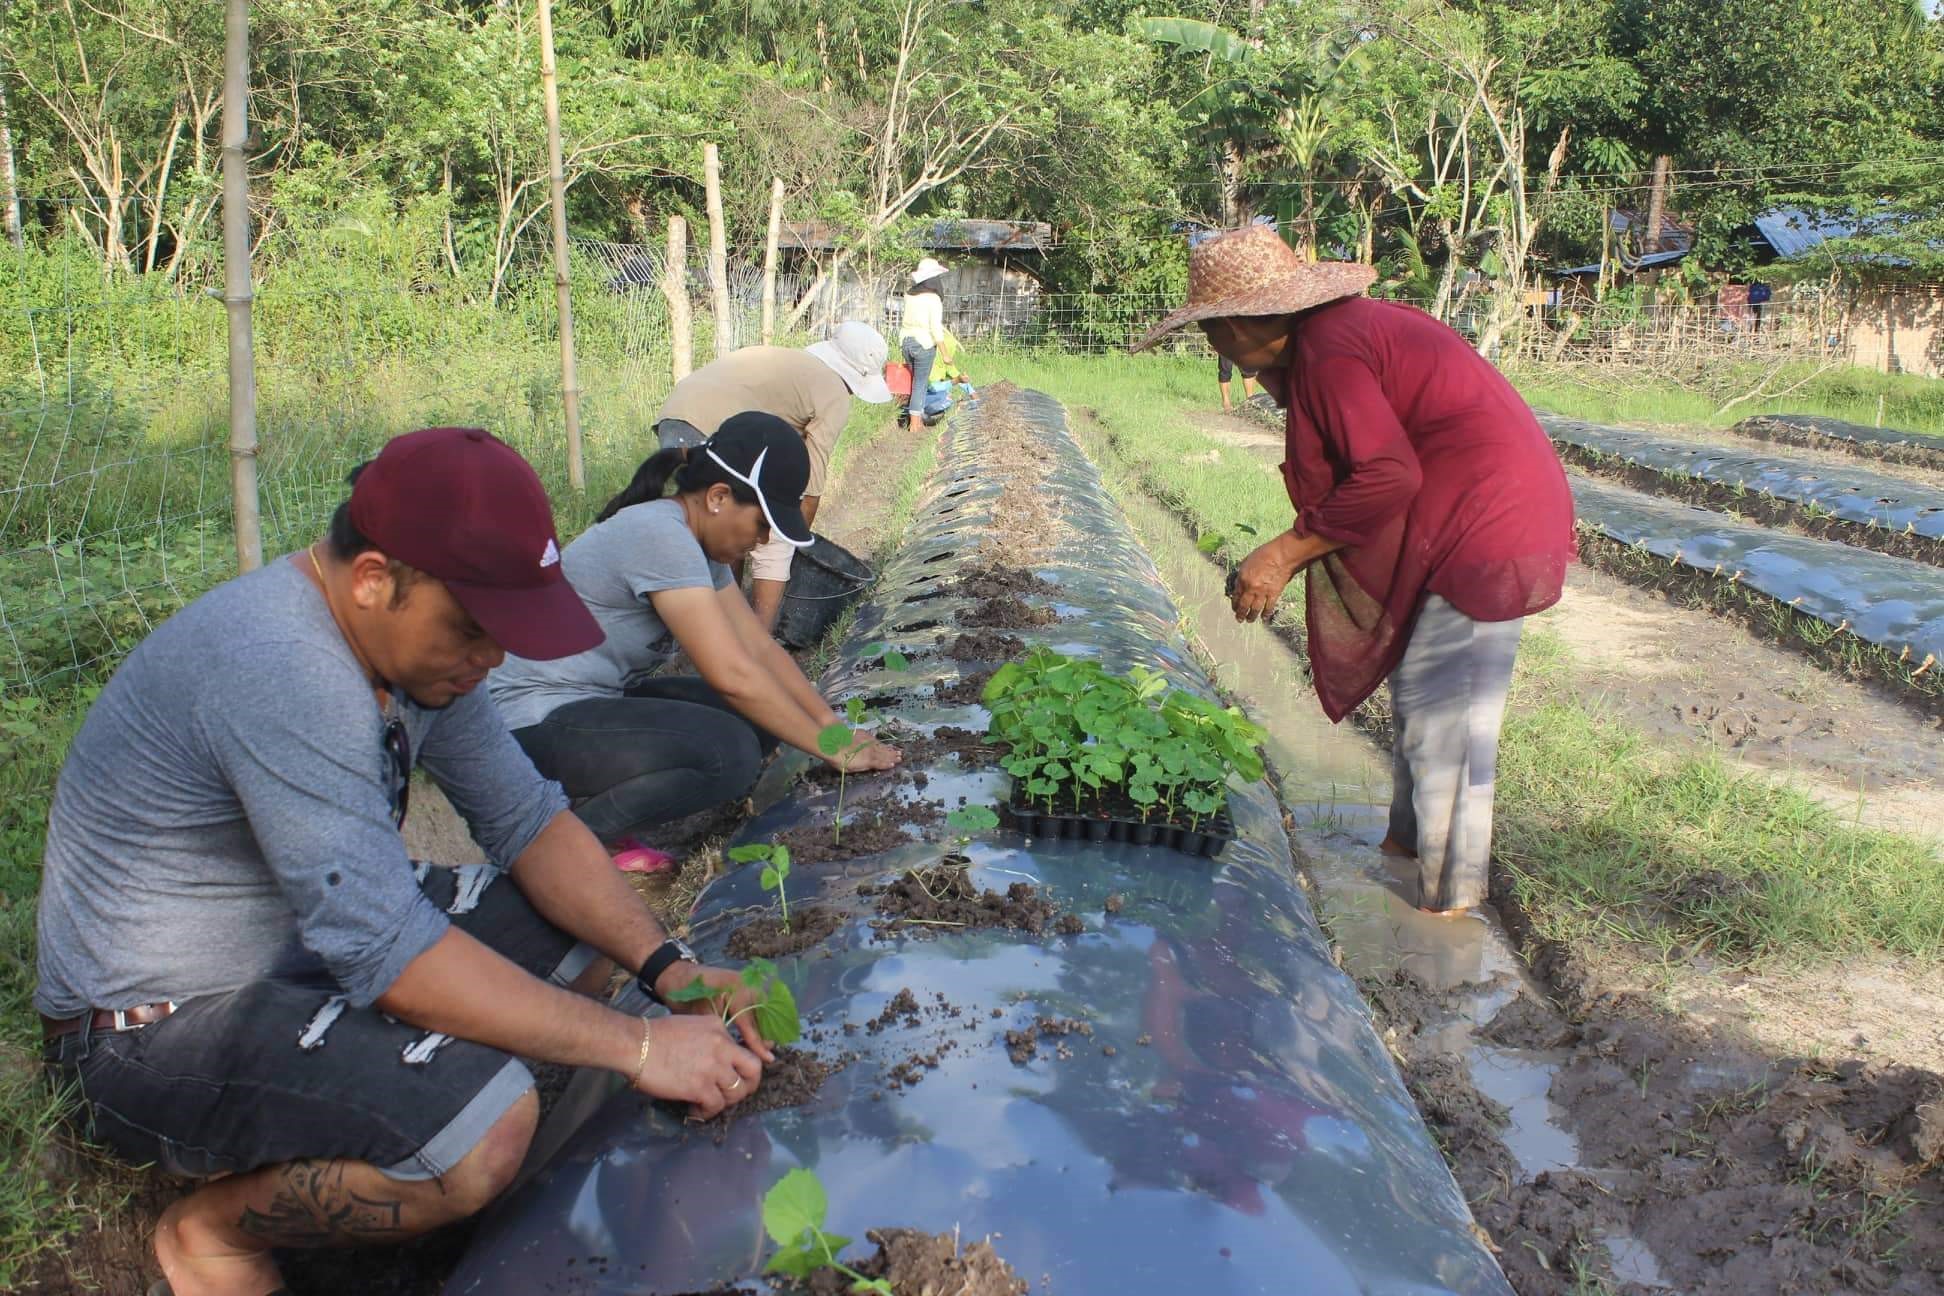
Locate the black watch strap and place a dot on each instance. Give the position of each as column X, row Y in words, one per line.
column 666, row 955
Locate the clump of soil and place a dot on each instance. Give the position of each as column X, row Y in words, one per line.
column 967, row 690
column 1022, row 1046
column 908, row 1071
column 1528, row 1024
column 944, row 895
column 1114, row 904
column 768, row 938
column 793, row 1080
column 867, row 831
column 1009, row 612
column 901, row 1010
column 985, row 646
column 993, row 582
column 927, row 1264
column 969, row 746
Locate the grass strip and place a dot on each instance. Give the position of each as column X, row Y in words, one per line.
column 1607, row 833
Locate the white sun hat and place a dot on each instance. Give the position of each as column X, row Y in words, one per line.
column 857, row 352
column 928, row 269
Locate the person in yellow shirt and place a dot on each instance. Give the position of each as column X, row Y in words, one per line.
column 922, row 325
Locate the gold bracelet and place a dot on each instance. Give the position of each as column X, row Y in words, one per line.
column 641, row 1062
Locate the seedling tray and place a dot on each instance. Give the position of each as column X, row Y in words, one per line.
column 1216, row 832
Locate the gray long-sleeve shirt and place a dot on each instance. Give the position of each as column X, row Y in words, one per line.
column 224, row 815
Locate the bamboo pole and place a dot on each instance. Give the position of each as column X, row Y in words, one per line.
column 725, row 327
column 563, row 279
column 675, row 288
column 9, row 177
column 245, row 507
column 769, row 259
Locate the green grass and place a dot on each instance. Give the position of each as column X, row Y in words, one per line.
column 1618, row 394
column 1609, row 835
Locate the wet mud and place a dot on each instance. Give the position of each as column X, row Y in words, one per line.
column 768, row 938
column 793, row 1080
column 944, row 897
column 985, row 646
column 927, row 1264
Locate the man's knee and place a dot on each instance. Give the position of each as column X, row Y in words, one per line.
column 489, row 1169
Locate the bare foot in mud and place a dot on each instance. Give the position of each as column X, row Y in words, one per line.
column 1395, row 849
column 197, row 1264
column 1448, row 913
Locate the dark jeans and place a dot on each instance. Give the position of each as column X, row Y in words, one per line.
column 920, row 359
column 287, row 1070
column 669, row 748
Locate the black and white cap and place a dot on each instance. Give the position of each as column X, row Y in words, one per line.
column 767, row 455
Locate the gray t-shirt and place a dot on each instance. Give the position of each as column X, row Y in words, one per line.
column 614, row 566
column 224, row 815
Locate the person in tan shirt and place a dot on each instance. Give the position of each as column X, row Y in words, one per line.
column 810, row 389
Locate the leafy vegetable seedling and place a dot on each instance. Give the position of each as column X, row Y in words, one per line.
column 793, row 1214
column 775, row 1008
column 776, row 867
column 889, row 656
column 831, row 742
column 971, row 819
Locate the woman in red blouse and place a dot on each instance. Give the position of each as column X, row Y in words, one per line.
column 1431, row 516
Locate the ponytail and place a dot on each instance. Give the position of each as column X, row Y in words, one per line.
column 676, row 465
column 650, row 481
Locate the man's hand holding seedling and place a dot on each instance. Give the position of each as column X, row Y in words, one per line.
column 691, row 1057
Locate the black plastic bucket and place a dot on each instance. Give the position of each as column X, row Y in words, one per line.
column 825, row 579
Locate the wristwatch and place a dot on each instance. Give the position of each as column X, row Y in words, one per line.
column 667, row 955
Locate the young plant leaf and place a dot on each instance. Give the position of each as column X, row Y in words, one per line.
column 776, row 1014
column 770, row 878
column 975, row 818
column 896, row 661
column 694, row 992
column 854, row 711
column 752, row 852
column 833, row 739
column 795, row 1204
column 1210, row 542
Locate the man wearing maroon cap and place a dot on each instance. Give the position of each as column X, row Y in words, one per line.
column 244, row 974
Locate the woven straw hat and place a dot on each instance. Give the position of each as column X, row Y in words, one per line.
column 1251, row 271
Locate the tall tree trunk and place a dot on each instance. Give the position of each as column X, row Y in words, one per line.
column 1657, row 204
column 675, row 288
column 725, row 324
column 769, row 256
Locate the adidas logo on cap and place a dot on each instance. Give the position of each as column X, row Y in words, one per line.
column 550, row 555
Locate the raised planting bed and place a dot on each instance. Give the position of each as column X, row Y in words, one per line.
column 1850, row 504
column 1131, row 1075
column 1892, row 445
column 1111, row 757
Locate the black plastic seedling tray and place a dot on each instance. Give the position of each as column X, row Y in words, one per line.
column 1215, row 833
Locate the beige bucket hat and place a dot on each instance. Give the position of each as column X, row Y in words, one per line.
column 1251, row 271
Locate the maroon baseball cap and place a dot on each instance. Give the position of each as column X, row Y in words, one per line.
column 463, row 506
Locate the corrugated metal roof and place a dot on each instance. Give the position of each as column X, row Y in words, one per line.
column 1792, row 231
column 1629, row 267
column 943, row 236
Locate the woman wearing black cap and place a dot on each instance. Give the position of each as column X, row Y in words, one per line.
column 634, row 749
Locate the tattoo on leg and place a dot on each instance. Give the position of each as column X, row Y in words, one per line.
column 312, row 1207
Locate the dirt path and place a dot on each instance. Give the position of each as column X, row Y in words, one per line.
column 1622, row 1126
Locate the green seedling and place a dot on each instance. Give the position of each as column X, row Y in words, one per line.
column 889, row 656
column 775, row 1009
column 833, row 741
column 971, row 819
column 1072, row 729
column 776, row 867
column 793, row 1214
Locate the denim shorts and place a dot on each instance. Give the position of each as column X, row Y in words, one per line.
column 281, row 1071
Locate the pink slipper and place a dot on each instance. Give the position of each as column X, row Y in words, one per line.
column 631, row 856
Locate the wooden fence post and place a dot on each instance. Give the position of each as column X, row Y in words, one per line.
column 237, row 292
column 563, row 278
column 769, row 259
column 725, row 324
column 675, row 288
